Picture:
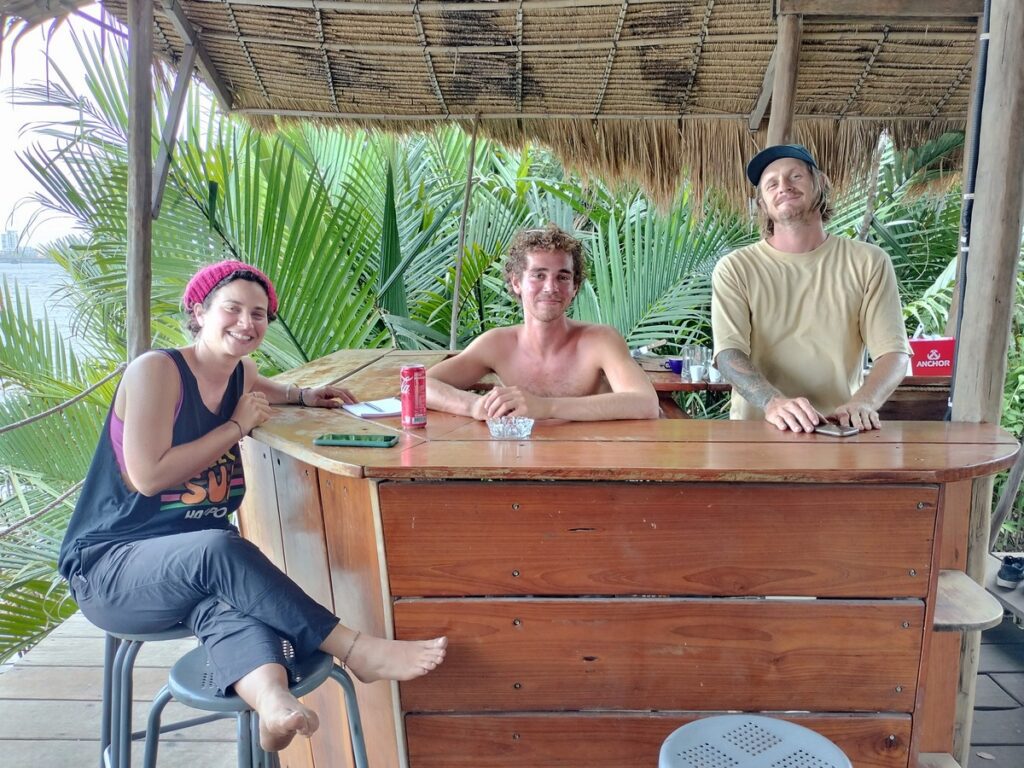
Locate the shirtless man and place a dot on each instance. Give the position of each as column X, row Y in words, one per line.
column 550, row 367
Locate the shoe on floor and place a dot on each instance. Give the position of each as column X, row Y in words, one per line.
column 1011, row 572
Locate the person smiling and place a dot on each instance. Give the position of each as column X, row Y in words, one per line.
column 150, row 544
column 792, row 314
column 550, row 367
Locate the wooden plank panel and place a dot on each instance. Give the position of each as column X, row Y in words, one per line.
column 258, row 516
column 360, row 597
column 716, row 431
column 305, row 551
column 886, row 10
column 471, row 538
column 601, row 740
column 749, row 655
column 332, row 367
column 956, row 515
column 936, row 713
column 825, row 461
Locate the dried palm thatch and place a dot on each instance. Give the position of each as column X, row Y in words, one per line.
column 633, row 91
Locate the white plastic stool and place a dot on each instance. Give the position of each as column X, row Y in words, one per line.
column 748, row 741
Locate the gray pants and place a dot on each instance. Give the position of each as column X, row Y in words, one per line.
column 237, row 602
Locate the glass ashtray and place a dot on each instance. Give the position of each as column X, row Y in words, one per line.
column 510, row 427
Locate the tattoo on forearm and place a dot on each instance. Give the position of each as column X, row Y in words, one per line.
column 739, row 371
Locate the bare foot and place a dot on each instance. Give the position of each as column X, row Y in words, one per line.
column 374, row 658
column 282, row 719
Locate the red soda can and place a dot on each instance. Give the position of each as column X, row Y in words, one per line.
column 413, row 380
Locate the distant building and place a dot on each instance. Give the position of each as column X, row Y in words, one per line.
column 9, row 250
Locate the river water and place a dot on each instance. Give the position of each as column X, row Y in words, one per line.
column 44, row 281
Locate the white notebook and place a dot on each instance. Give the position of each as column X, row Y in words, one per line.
column 375, row 409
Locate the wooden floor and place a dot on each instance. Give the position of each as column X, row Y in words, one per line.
column 50, row 704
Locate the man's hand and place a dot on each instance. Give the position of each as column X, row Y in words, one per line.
column 510, row 401
column 795, row 413
column 857, row 414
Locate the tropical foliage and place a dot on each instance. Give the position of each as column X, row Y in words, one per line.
column 359, row 231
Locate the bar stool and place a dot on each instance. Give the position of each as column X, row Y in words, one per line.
column 748, row 741
column 119, row 653
column 191, row 682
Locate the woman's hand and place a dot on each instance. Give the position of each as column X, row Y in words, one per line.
column 327, row 396
column 252, row 410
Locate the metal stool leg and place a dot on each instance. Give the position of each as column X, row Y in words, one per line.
column 244, row 740
column 156, row 711
column 355, row 724
column 122, row 732
column 110, row 645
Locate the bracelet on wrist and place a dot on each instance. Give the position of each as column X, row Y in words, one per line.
column 288, row 393
column 302, row 396
column 241, row 434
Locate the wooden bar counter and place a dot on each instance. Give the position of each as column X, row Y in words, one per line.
column 603, row 583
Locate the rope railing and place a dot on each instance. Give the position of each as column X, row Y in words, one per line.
column 61, row 406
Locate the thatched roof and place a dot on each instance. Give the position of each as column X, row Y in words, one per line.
column 624, row 89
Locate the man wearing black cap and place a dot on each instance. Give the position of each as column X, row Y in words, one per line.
column 793, row 313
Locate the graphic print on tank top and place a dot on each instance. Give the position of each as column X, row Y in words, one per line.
column 208, row 493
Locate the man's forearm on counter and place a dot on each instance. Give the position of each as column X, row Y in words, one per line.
column 442, row 396
column 886, row 374
column 750, row 383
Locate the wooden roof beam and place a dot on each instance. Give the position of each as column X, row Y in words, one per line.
column 780, row 123
column 428, row 60
column 765, row 96
column 170, row 131
column 883, row 9
column 610, row 62
column 176, row 15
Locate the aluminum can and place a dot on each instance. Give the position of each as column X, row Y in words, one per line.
column 413, row 381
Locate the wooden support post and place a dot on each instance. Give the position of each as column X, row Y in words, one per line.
column 989, row 297
column 454, row 335
column 170, row 132
column 787, row 65
column 140, row 175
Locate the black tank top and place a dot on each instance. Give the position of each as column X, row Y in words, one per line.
column 107, row 513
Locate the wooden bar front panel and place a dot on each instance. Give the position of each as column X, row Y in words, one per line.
column 666, row 654
column 557, row 740
column 520, row 538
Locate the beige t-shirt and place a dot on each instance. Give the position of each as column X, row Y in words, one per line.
column 804, row 319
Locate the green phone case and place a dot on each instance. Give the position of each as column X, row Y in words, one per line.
column 378, row 441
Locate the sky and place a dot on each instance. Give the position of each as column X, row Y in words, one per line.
column 29, row 65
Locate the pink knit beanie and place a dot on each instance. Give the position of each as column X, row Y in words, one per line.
column 207, row 278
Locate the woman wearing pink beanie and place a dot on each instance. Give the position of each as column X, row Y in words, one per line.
column 150, row 546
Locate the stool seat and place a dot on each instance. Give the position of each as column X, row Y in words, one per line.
column 191, row 682
column 748, row 741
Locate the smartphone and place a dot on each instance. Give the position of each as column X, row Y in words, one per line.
column 364, row 441
column 835, row 430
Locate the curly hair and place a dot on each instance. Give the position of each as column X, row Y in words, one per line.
column 823, row 201
column 547, row 238
column 192, row 325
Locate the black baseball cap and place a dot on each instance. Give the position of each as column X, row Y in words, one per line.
column 769, row 155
